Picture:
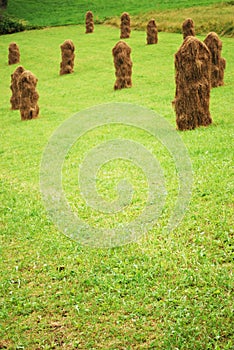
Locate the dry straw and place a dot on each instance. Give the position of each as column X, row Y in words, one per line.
column 125, row 29
column 193, row 69
column 123, row 65
column 152, row 32
column 188, row 28
column 68, row 56
column 89, row 22
column 15, row 98
column 28, row 96
column 14, row 54
column 214, row 44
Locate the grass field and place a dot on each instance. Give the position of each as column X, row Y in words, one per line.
column 165, row 291
column 166, row 12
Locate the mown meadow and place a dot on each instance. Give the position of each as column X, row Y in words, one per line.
column 167, row 290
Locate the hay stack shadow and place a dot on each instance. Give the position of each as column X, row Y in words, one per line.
column 218, row 64
column 188, row 28
column 192, row 97
column 125, row 29
column 14, row 54
column 152, row 32
column 68, row 56
column 123, row 65
column 15, row 98
column 28, row 96
column 89, row 22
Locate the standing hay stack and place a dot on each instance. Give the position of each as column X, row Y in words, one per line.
column 123, row 65
column 188, row 28
column 14, row 54
column 68, row 56
column 218, row 64
column 89, row 22
column 28, row 96
column 125, row 29
column 193, row 69
column 15, row 98
column 152, row 32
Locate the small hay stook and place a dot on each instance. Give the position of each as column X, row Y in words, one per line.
column 28, row 96
column 125, row 26
column 14, row 54
column 68, row 57
column 152, row 32
column 193, row 68
column 123, row 65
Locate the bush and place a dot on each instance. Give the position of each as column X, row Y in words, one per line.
column 3, row 4
column 9, row 24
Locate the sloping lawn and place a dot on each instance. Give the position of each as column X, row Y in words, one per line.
column 164, row 291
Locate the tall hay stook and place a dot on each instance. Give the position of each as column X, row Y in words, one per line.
column 188, row 28
column 28, row 96
column 193, row 70
column 123, row 65
column 89, row 22
column 14, row 54
column 218, row 64
column 152, row 32
column 68, row 57
column 15, row 98
column 125, row 26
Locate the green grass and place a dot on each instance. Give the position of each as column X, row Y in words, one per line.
column 44, row 13
column 165, row 291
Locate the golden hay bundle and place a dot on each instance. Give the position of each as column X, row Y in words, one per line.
column 89, row 22
column 68, row 56
column 15, row 98
column 193, row 69
column 123, row 65
column 152, row 32
column 188, row 28
column 218, row 63
column 28, row 96
column 14, row 54
column 125, row 29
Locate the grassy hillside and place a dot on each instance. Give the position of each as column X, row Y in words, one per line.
column 165, row 291
column 55, row 12
column 216, row 17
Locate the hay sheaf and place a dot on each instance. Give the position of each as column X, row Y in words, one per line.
column 28, row 96
column 68, row 57
column 15, row 98
column 188, row 28
column 14, row 54
column 89, row 22
column 125, row 26
column 218, row 64
column 152, row 32
column 123, row 65
column 193, row 72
